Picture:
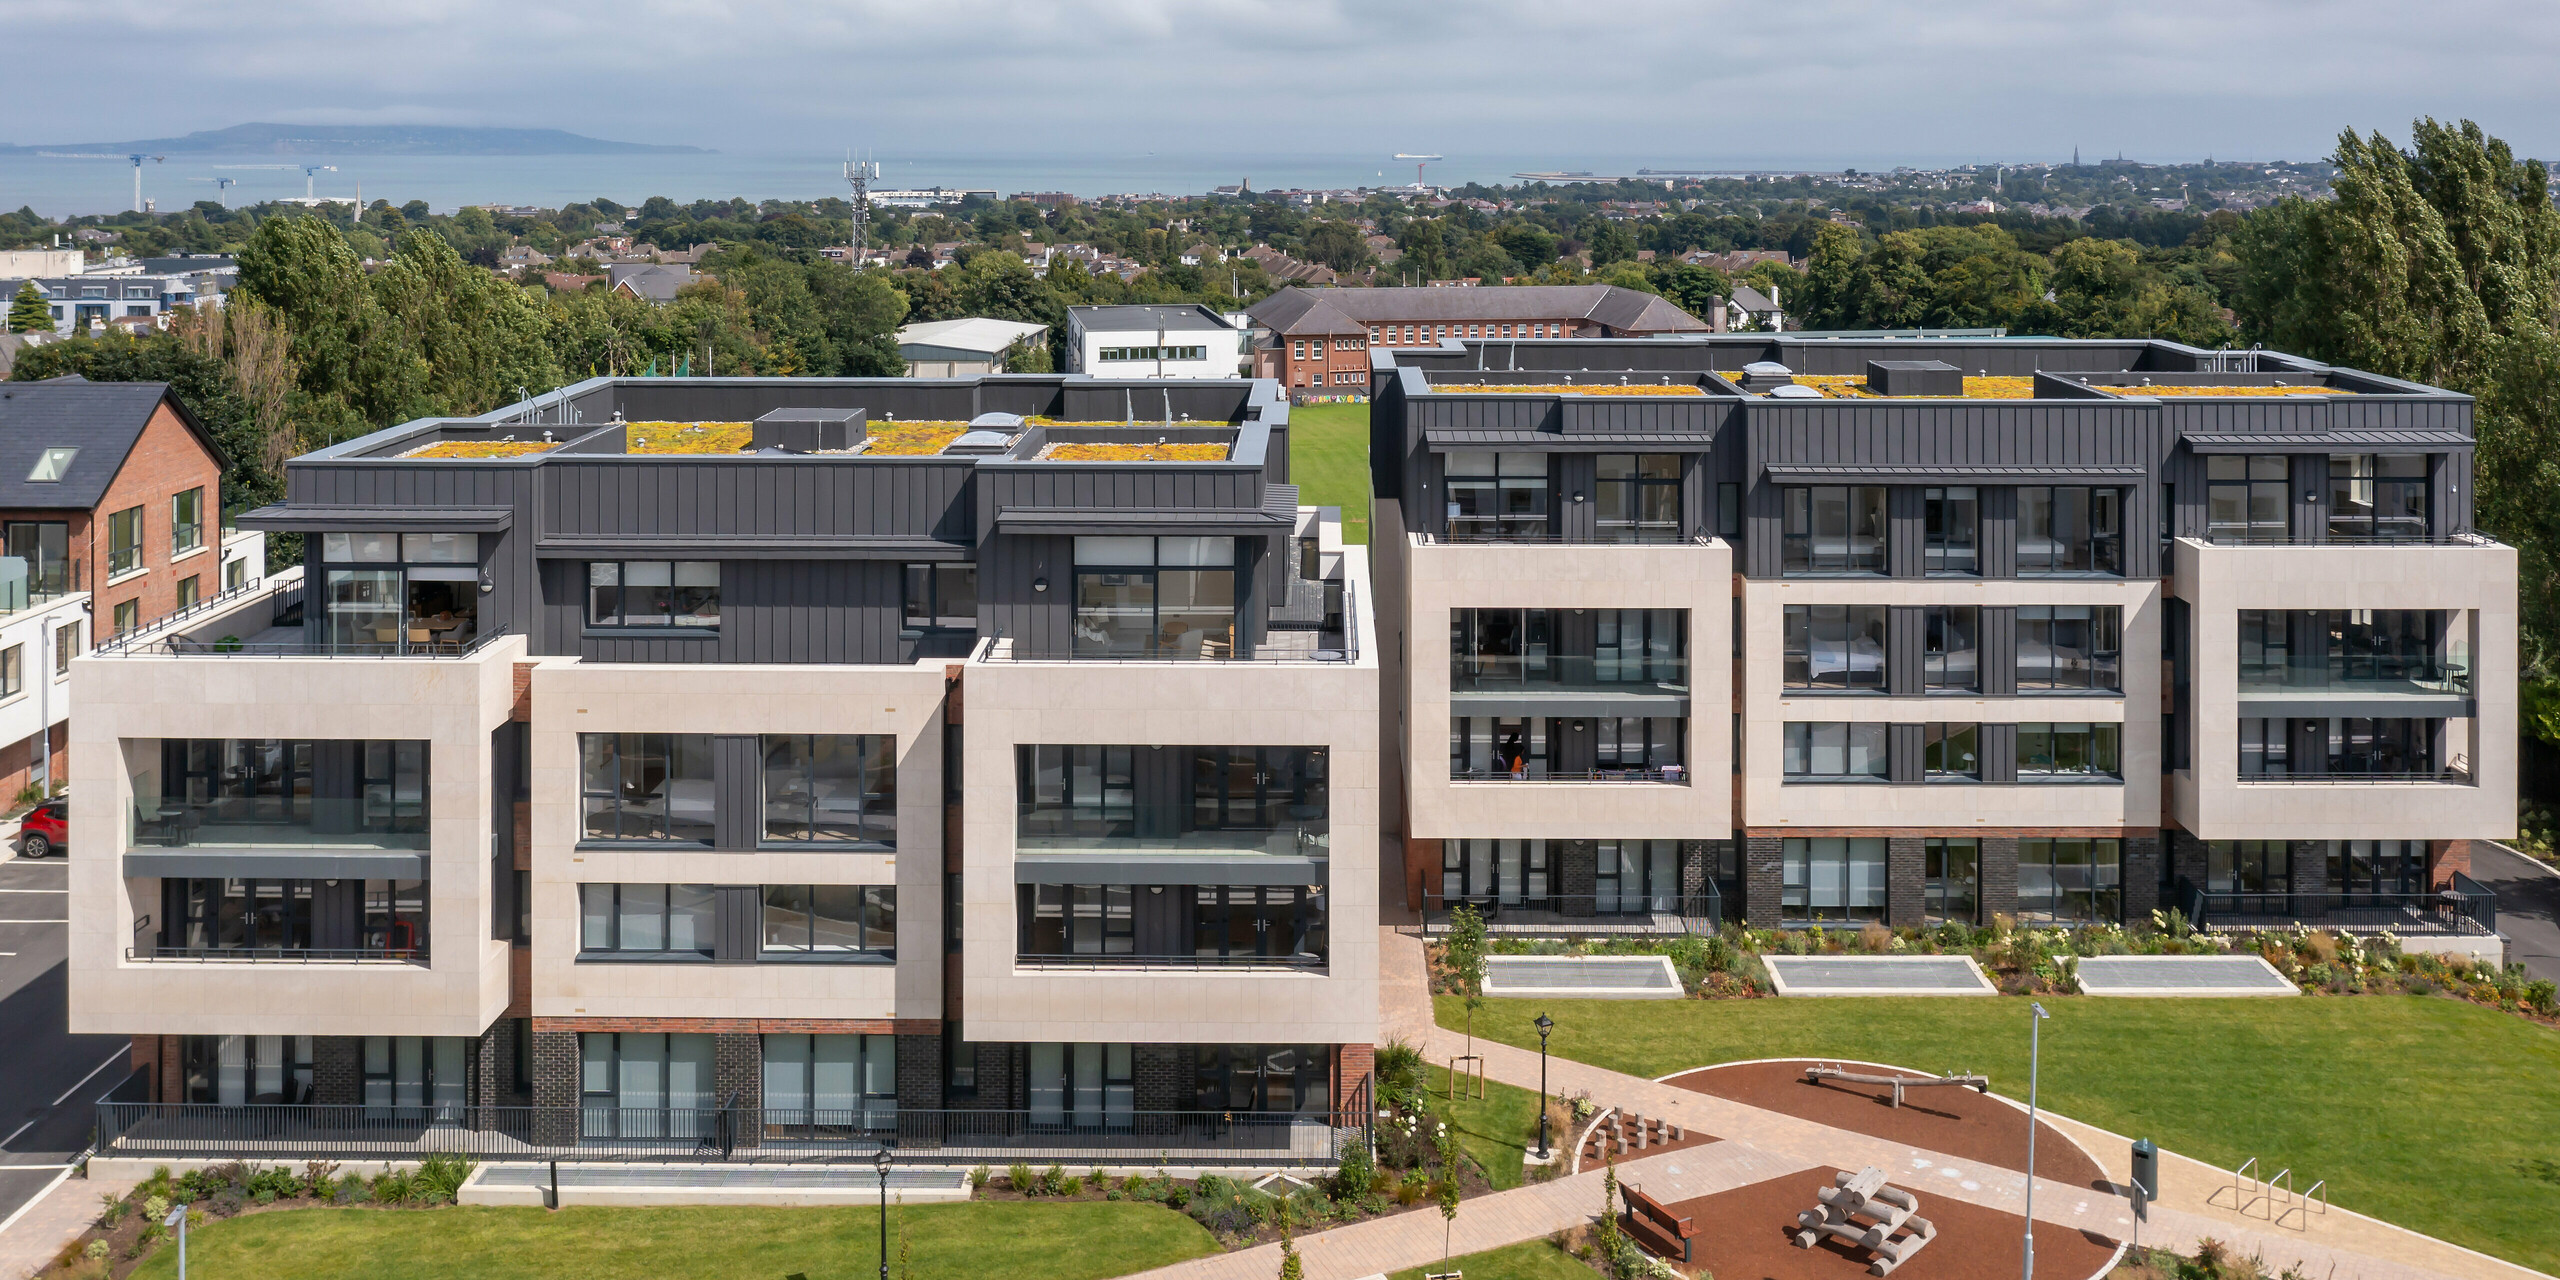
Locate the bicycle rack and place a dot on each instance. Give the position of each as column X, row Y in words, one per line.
column 2276, row 1208
column 2240, row 1197
column 2302, row 1204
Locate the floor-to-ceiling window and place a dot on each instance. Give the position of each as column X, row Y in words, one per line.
column 1636, row 876
column 645, row 1084
column 1090, row 1087
column 1951, row 878
column 1509, row 873
column 829, row 1085
column 418, row 1077
column 240, row 1071
column 1263, row 1078
column 2070, row 881
column 1830, row 879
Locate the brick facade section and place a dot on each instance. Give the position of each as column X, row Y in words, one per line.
column 2307, row 865
column 2139, row 874
column 2445, row 857
column 1905, row 901
column 166, row 460
column 18, row 759
column 2186, row 862
column 998, row 1089
column 1761, row 880
column 521, row 711
column 1577, row 874
column 337, row 1070
column 1999, row 876
column 555, row 1085
column 1354, row 1066
column 919, row 1073
column 737, row 1070
column 1163, row 1077
column 519, row 982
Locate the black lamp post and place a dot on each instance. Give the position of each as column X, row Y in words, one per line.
column 1544, row 1025
column 881, row 1163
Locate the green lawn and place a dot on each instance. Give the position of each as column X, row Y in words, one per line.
column 2421, row 1111
column 1528, row 1260
column 1495, row 1130
column 1329, row 461
column 1011, row 1240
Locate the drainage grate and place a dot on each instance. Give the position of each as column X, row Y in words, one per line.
column 1877, row 976
column 1583, row 977
column 2182, row 976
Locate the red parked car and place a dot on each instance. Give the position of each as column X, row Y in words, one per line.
column 46, row 828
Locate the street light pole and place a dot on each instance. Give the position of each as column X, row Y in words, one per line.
column 1544, row 1024
column 881, row 1163
column 2035, row 1043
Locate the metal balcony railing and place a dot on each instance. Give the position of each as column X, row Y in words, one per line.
column 1562, row 914
column 2466, row 906
column 1075, row 1128
column 157, row 954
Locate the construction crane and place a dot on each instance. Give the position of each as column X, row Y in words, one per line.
column 1418, row 162
column 220, row 185
column 137, row 177
column 307, row 180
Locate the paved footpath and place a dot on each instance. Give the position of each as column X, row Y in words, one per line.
column 1759, row 1144
column 36, row 1233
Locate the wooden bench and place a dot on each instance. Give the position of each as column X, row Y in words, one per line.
column 1652, row 1224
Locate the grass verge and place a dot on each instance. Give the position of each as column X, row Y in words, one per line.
column 1004, row 1240
column 2426, row 1112
column 1329, row 462
column 1497, row 1130
column 1527, row 1260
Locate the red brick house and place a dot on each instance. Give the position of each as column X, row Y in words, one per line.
column 111, row 488
column 1317, row 341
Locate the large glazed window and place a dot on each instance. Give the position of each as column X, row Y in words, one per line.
column 1950, row 751
column 1832, row 529
column 1265, row 1078
column 1835, row 646
column 1496, row 497
column 1950, row 648
column 2340, row 746
column 1514, row 648
column 268, row 792
column 838, row 921
column 1950, row 878
column 400, row 593
column 1951, row 532
column 46, row 547
column 653, row 593
column 1826, row 879
column 124, row 541
column 646, row 786
column 645, row 919
column 1089, row 1088
column 2068, row 752
column 646, row 1084
column 1832, row 752
column 818, row 1086
column 1155, row 597
column 294, row 919
column 2070, row 648
column 2246, row 498
column 830, row 788
column 1235, row 799
column 1637, row 496
column 2070, row 881
column 2378, row 497
column 2068, row 529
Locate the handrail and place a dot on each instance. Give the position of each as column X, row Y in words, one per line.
column 155, row 954
column 1677, row 776
column 1049, row 960
column 207, row 606
column 2457, row 777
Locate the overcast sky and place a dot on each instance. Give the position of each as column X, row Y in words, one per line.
column 1706, row 81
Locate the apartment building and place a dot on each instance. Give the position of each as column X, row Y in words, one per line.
column 766, row 763
column 1798, row 630
column 1186, row 341
column 1320, row 339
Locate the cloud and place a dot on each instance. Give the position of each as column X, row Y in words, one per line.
column 1705, row 81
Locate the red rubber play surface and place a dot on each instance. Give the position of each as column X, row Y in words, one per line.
column 1955, row 1121
column 1747, row 1234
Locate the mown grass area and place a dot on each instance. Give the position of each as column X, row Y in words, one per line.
column 1329, row 462
column 2426, row 1112
column 1011, row 1240
column 1527, row 1260
column 1497, row 1129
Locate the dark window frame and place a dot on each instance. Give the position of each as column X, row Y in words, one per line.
column 2080, row 533
column 2071, row 751
column 1651, row 483
column 1860, row 507
column 1951, row 531
column 1801, row 740
column 702, row 906
column 611, row 792
column 2039, row 664
column 701, row 616
column 871, row 906
column 1811, row 633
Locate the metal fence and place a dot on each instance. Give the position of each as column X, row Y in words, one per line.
column 1628, row 914
column 2466, row 907
column 1069, row 1134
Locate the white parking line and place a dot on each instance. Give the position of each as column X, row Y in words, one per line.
column 13, row 1134
column 36, row 1199
column 112, row 1059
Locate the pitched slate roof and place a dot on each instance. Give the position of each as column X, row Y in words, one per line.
column 1319, row 311
column 102, row 420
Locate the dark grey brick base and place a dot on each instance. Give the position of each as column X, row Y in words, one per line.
column 1905, row 899
column 1999, row 876
column 1761, row 874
